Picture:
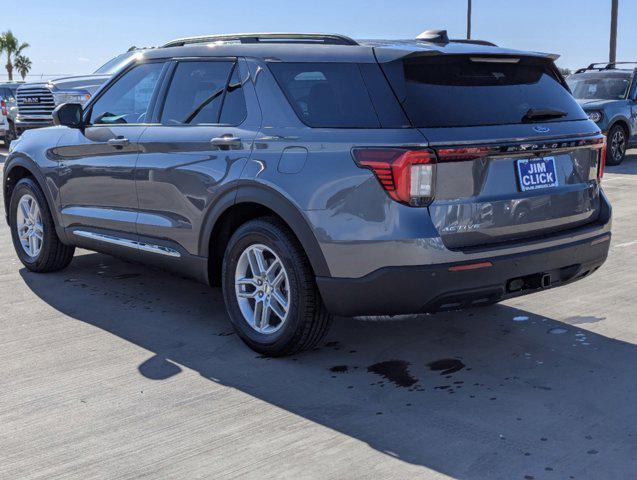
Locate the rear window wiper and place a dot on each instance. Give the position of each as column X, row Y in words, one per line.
column 539, row 114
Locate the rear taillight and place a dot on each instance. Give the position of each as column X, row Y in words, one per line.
column 3, row 106
column 602, row 161
column 406, row 175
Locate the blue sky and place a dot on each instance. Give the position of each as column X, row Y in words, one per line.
column 72, row 36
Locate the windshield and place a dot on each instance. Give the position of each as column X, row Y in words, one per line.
column 114, row 64
column 598, row 87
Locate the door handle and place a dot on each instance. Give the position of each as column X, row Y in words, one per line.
column 118, row 142
column 227, row 142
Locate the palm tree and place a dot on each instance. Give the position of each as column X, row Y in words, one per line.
column 22, row 65
column 11, row 46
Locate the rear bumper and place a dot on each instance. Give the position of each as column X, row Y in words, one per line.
column 430, row 288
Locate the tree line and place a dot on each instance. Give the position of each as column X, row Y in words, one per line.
column 13, row 48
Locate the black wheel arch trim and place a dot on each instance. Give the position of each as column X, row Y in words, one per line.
column 623, row 122
column 19, row 160
column 279, row 204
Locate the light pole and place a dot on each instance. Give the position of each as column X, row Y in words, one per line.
column 612, row 54
column 469, row 19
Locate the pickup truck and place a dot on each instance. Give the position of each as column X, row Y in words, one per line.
column 37, row 100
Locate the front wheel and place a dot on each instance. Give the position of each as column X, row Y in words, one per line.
column 269, row 290
column 616, row 145
column 33, row 231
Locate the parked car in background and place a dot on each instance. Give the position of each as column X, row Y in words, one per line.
column 315, row 176
column 36, row 100
column 608, row 94
column 9, row 109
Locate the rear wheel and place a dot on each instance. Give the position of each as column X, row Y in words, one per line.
column 616, row 145
column 33, row 231
column 269, row 290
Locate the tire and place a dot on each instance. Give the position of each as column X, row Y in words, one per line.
column 306, row 321
column 52, row 255
column 617, row 141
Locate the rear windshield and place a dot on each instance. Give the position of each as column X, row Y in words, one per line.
column 595, row 86
column 458, row 91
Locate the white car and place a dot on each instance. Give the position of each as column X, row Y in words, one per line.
column 4, row 124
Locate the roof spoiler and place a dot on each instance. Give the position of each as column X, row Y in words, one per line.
column 441, row 36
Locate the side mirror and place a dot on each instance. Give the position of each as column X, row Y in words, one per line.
column 68, row 114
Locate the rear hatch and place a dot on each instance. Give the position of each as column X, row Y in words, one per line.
column 516, row 155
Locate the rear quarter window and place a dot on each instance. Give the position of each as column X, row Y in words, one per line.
column 328, row 95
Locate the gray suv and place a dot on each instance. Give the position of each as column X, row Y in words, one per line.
column 314, row 176
column 608, row 94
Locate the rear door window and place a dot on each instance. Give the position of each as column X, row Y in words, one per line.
column 329, row 95
column 462, row 91
column 204, row 93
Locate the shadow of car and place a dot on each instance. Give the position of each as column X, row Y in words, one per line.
column 495, row 392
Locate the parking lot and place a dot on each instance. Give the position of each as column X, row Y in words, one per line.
column 113, row 369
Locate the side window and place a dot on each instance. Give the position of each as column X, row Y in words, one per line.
column 128, row 99
column 199, row 91
column 331, row 95
column 234, row 105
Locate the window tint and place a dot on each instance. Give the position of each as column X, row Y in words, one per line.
column 390, row 114
column 234, row 105
column 198, row 92
column 128, row 99
column 327, row 94
column 455, row 91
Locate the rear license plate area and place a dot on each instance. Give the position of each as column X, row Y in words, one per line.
column 536, row 173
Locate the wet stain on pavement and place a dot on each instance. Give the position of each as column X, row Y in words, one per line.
column 557, row 331
column 124, row 276
column 581, row 319
column 396, row 371
column 446, row 366
column 339, row 369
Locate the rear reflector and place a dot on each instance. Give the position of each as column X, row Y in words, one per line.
column 603, row 239
column 470, row 266
column 406, row 175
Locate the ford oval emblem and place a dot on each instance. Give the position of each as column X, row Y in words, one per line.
column 539, row 129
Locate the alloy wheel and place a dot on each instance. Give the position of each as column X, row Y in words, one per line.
column 262, row 289
column 29, row 226
column 618, row 145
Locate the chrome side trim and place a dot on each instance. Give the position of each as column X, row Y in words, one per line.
column 123, row 242
column 159, row 249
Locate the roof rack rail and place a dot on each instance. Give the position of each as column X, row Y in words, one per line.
column 606, row 66
column 310, row 38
